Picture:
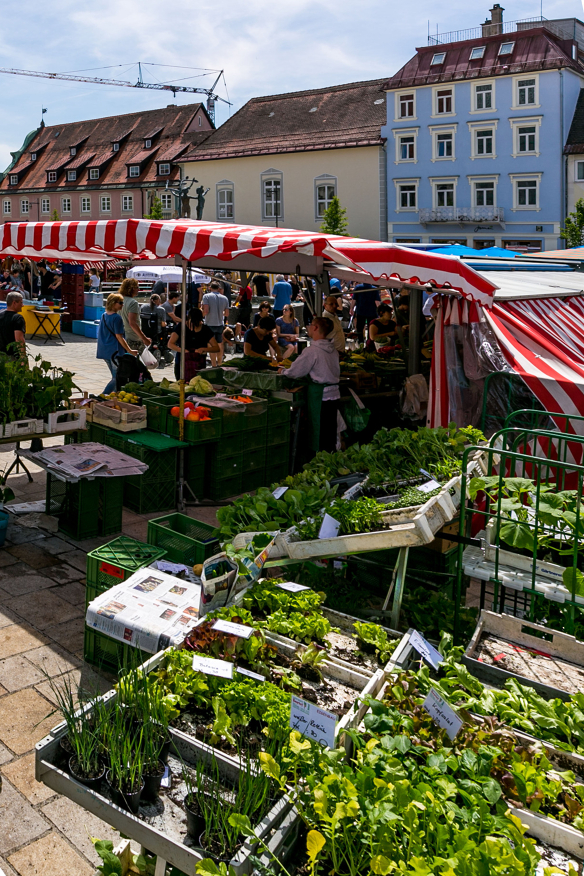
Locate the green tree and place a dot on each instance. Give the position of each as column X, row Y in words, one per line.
column 335, row 219
column 155, row 209
column 55, row 216
column 573, row 230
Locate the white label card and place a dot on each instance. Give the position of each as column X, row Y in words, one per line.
column 247, row 391
column 329, row 527
column 232, row 629
column 428, row 486
column 279, row 492
column 442, row 714
column 426, row 650
column 220, row 668
column 221, row 395
column 249, row 674
column 292, row 587
column 313, row 722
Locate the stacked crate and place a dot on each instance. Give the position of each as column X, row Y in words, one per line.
column 87, row 508
column 277, row 440
column 72, row 292
column 155, row 490
column 237, row 463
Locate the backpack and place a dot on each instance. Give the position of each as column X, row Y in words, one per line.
column 150, row 325
column 130, row 370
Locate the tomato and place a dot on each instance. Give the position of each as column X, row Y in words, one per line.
column 174, row 412
column 193, row 417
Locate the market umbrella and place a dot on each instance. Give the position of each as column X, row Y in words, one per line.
column 455, row 249
column 498, row 252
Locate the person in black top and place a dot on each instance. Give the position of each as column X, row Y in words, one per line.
column 262, row 285
column 257, row 341
column 47, row 279
column 382, row 327
column 199, row 340
column 265, row 310
column 293, row 280
column 12, row 327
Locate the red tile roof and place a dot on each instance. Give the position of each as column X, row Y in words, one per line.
column 177, row 124
column 323, row 118
column 534, row 49
column 142, row 155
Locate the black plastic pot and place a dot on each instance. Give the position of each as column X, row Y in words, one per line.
column 152, row 783
column 195, row 822
column 211, row 854
column 79, row 777
column 129, row 801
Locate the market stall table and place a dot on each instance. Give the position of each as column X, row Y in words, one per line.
column 49, row 323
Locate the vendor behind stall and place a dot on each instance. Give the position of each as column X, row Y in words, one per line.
column 383, row 329
column 257, row 341
column 320, row 362
column 199, row 340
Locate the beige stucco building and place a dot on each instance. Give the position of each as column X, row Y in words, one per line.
column 281, row 159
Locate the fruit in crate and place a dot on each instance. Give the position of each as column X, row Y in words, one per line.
column 123, row 396
column 200, row 386
column 191, row 413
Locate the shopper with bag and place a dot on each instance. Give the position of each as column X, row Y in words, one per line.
column 130, row 314
column 111, row 340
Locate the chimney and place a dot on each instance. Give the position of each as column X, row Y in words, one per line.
column 494, row 24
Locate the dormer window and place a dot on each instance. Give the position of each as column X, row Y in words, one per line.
column 13, row 179
column 163, row 168
column 94, row 173
column 506, row 48
column 477, row 53
column 73, row 151
column 147, row 144
column 71, row 175
column 438, row 58
column 116, row 147
column 33, row 156
column 52, row 176
column 134, row 170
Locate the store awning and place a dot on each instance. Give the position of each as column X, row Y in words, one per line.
column 245, row 247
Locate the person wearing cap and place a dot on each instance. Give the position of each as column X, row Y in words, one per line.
column 331, row 311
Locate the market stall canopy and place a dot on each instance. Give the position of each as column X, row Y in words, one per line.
column 456, row 249
column 248, row 247
column 576, row 253
column 514, row 285
column 497, row 252
column 96, row 259
column 166, row 273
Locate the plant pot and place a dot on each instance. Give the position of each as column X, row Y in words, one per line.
column 124, row 799
column 93, row 782
column 152, row 783
column 211, row 854
column 4, row 517
column 195, row 822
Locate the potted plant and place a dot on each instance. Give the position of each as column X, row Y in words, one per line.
column 6, row 495
column 126, row 762
column 193, row 802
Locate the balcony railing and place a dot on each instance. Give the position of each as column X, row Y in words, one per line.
column 484, row 30
column 464, row 215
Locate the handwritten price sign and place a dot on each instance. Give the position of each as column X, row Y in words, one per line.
column 312, row 722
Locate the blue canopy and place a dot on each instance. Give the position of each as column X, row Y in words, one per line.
column 497, row 252
column 455, row 249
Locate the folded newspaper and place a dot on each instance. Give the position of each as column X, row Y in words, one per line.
column 150, row 610
column 89, row 459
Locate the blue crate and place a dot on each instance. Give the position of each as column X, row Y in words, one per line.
column 92, row 313
column 78, row 327
column 93, row 299
column 90, row 329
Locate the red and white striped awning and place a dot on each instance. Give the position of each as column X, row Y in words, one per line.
column 242, row 246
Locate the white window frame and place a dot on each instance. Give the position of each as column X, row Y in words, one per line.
column 147, row 144
column 265, row 177
column 577, row 178
column 483, row 178
column 482, row 83
column 162, row 172
column 525, row 177
column 508, row 43
column 435, row 130
column 398, row 95
column 473, row 127
column 105, row 204
column 65, row 205
column 166, row 201
column 45, row 205
column 132, row 167
column 83, row 206
column 435, row 90
column 13, row 179
column 7, row 207
column 516, row 81
column 414, row 181
column 437, row 59
column 436, row 181
column 115, row 147
column 398, row 133
column 224, row 185
column 51, row 176
column 72, row 151
column 24, row 207
column 33, row 156
column 325, row 179
column 127, row 203
column 71, row 175
column 474, row 49
column 94, row 173
column 525, row 122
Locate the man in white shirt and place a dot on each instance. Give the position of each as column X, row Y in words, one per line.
column 215, row 307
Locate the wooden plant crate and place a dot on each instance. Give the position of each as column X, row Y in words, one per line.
column 128, row 418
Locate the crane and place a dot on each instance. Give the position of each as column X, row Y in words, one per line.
column 212, row 97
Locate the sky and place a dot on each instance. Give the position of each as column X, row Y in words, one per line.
column 264, row 47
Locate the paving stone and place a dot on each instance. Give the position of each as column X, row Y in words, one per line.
column 7, row 617
column 77, row 825
column 78, row 559
column 44, row 609
column 24, row 720
column 51, row 854
column 52, row 659
column 23, row 534
column 73, row 593
column 6, row 559
column 16, row 673
column 17, row 638
column 2, row 690
column 19, row 822
column 21, row 774
column 20, row 579
column 5, row 755
column 33, row 555
column 69, row 635
column 64, row 573
column 6, row 869
column 57, row 546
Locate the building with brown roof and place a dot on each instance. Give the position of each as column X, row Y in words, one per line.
column 101, row 168
column 477, row 124
column 280, row 159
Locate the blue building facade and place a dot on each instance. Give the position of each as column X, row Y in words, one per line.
column 476, row 130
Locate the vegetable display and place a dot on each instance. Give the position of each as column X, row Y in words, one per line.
column 33, row 391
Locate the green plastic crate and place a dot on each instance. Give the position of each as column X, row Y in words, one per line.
column 112, row 563
column 276, row 472
column 109, row 654
column 253, row 439
column 75, row 506
column 255, row 414
column 146, row 497
column 159, row 452
column 197, row 433
column 229, row 445
column 185, row 540
column 227, row 467
column 110, row 510
column 218, row 489
column 157, row 411
column 97, row 433
column 253, row 460
column 279, row 413
column 278, row 437
column 252, row 481
column 213, row 375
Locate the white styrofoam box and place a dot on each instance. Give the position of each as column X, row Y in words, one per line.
column 20, row 428
column 93, row 299
column 66, row 421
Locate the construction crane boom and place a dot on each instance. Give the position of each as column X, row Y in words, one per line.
column 176, row 89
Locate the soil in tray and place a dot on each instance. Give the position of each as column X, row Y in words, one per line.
column 345, row 647
column 552, row 857
column 536, row 665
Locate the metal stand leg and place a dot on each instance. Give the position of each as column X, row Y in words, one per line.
column 397, row 583
column 18, row 463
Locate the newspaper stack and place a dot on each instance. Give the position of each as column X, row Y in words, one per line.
column 74, row 461
column 150, row 610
